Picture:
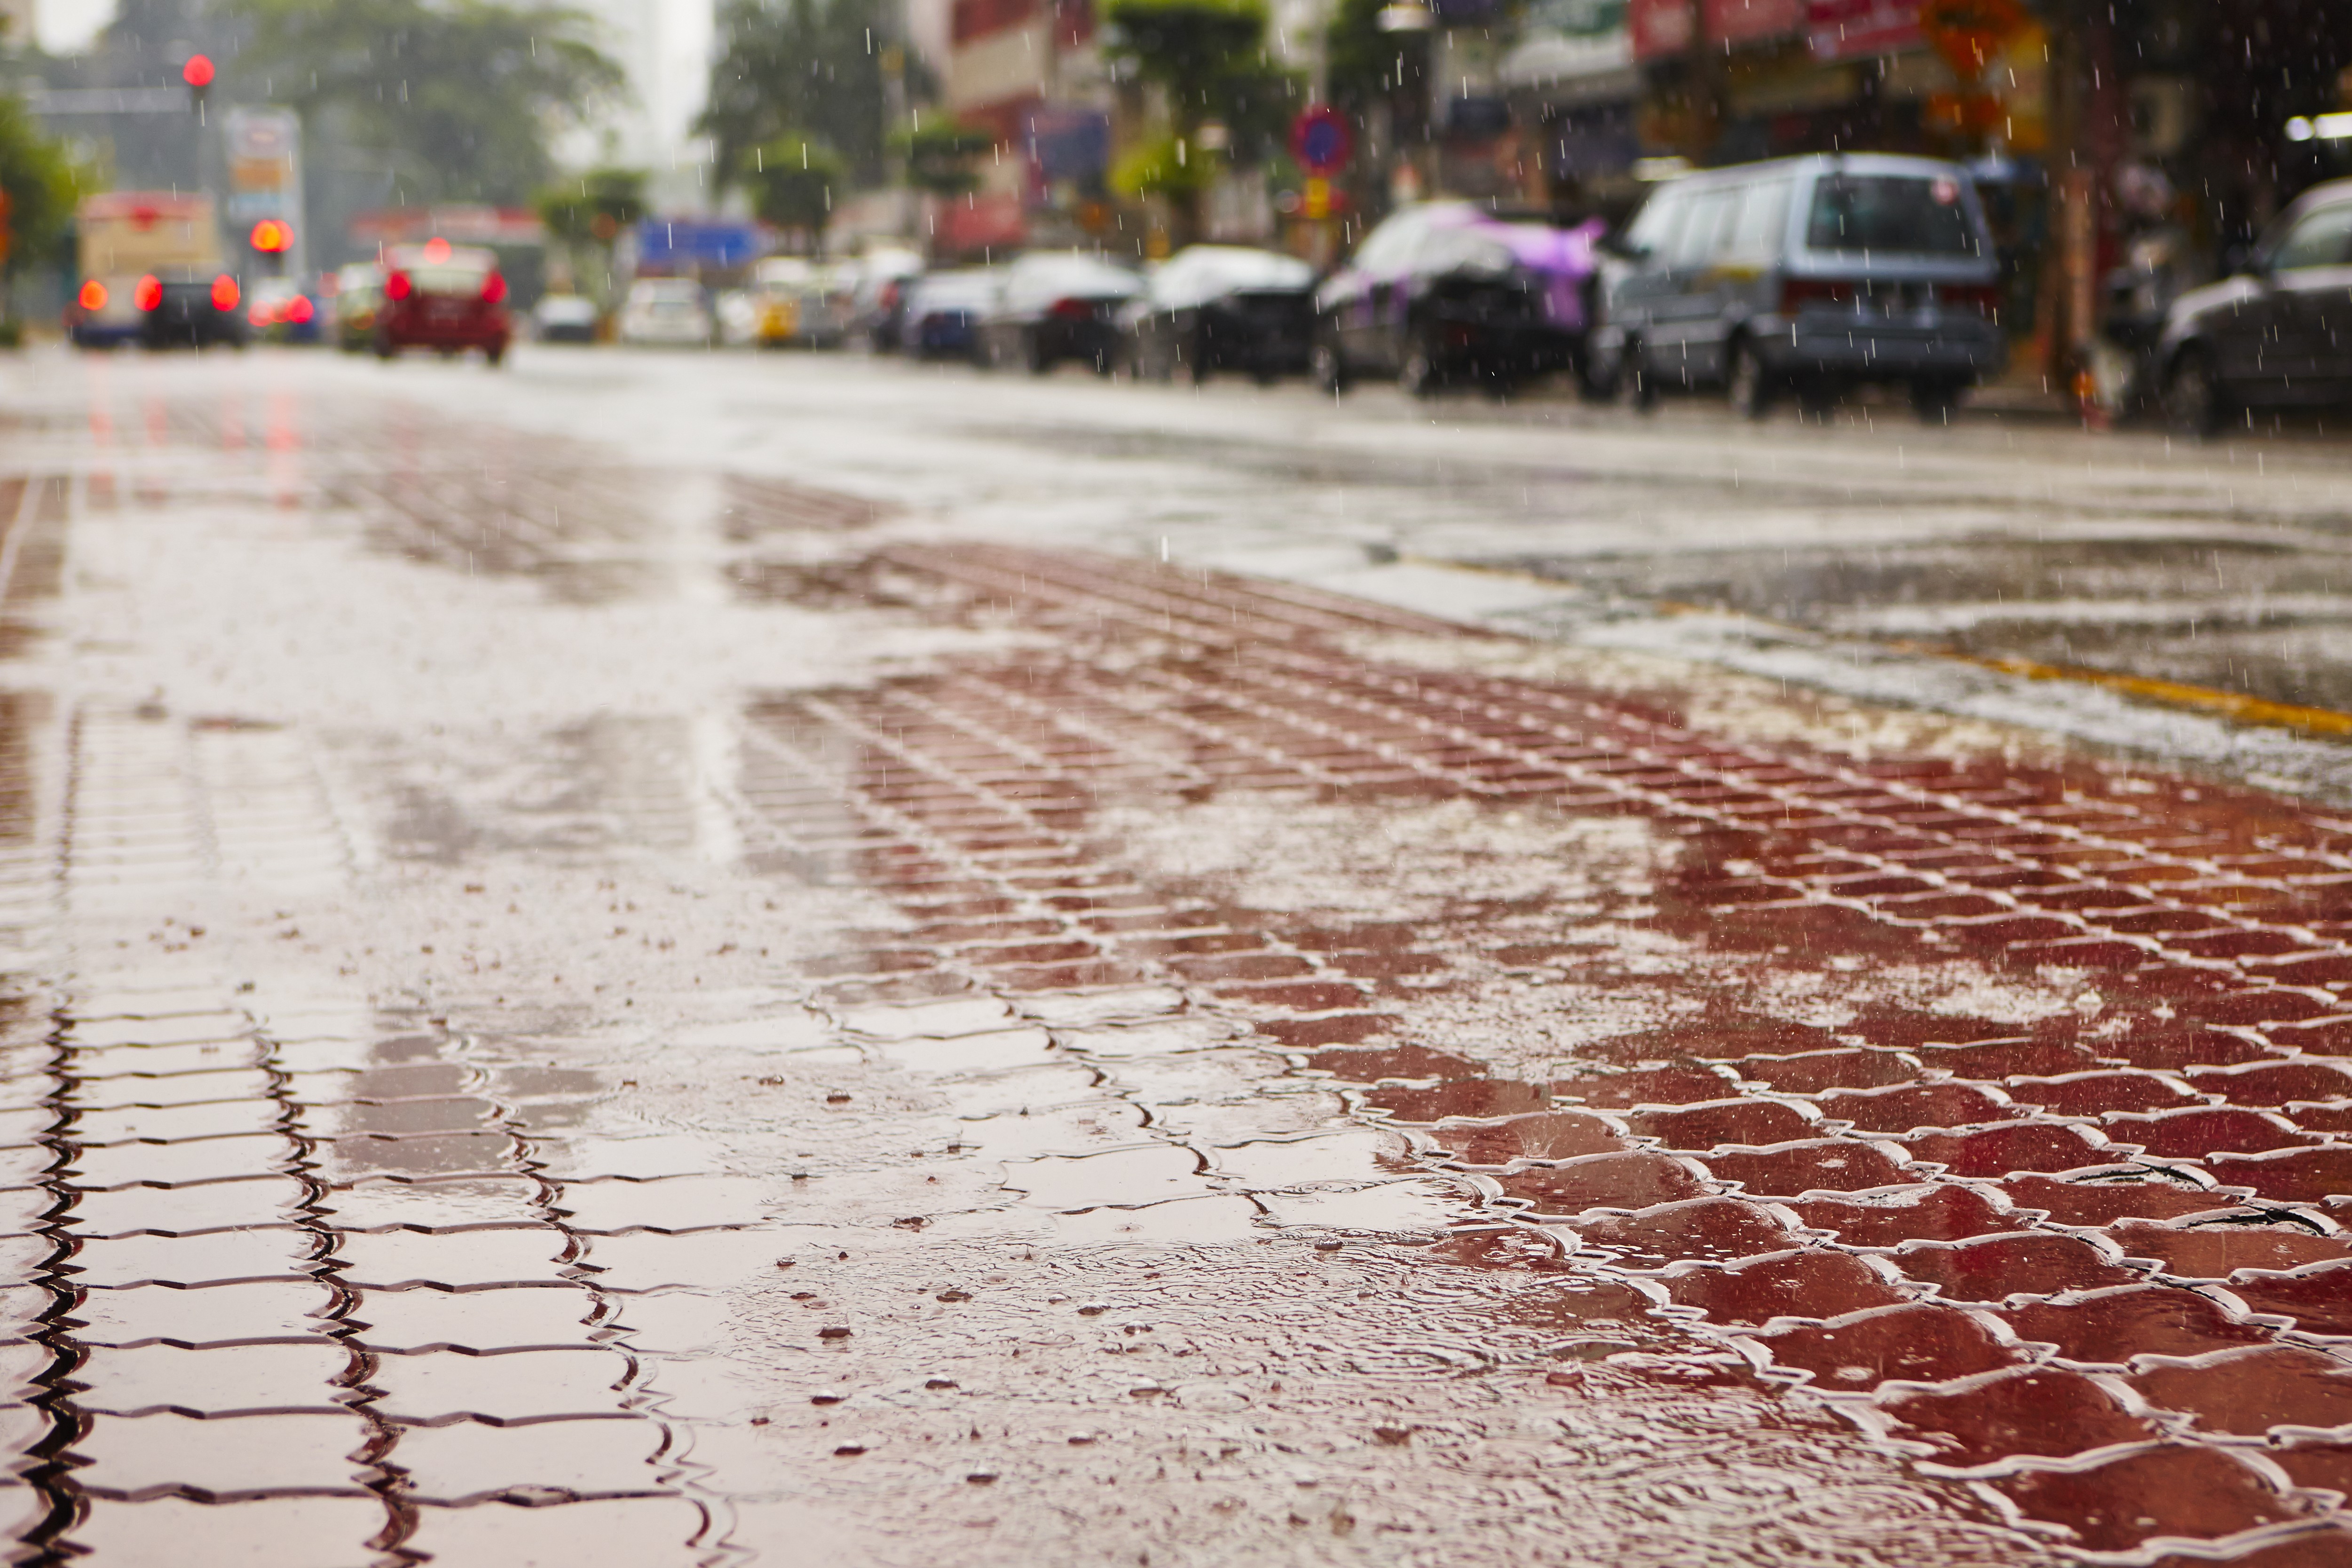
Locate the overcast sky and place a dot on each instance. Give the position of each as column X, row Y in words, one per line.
column 66, row 26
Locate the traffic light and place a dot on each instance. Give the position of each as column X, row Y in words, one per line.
column 198, row 74
column 273, row 237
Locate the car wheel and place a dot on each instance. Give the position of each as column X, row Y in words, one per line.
column 1033, row 354
column 1752, row 386
column 1935, row 400
column 1637, row 388
column 1196, row 352
column 1817, row 399
column 1329, row 367
column 2194, row 402
column 495, row 355
column 385, row 349
column 1419, row 375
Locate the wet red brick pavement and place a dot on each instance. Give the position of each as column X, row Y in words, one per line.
column 1243, row 1076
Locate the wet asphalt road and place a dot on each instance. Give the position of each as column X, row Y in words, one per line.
column 683, row 959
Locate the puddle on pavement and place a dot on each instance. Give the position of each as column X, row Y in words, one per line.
column 2268, row 618
column 1808, row 1145
column 1373, row 1092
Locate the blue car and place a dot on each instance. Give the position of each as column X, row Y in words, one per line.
column 945, row 312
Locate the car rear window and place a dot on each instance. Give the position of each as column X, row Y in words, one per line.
column 1913, row 215
column 448, row 278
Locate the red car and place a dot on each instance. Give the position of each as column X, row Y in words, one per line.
column 442, row 297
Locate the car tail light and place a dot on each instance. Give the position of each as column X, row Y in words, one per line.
column 1984, row 297
column 149, row 294
column 397, row 286
column 889, row 296
column 225, row 292
column 260, row 314
column 92, row 296
column 494, row 289
column 297, row 310
column 1073, row 310
column 1796, row 293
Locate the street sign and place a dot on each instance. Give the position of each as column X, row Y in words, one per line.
column 1321, row 141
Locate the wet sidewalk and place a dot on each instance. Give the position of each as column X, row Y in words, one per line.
column 1080, row 1060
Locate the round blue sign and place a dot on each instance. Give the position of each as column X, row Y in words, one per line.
column 1321, row 141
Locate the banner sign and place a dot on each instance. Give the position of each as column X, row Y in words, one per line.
column 1854, row 29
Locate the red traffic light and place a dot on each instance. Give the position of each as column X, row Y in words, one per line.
column 198, row 71
column 272, row 237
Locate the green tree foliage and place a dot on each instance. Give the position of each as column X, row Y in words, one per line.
column 1360, row 60
column 940, row 158
column 1209, row 57
column 1166, row 167
column 795, row 182
column 1200, row 51
column 594, row 207
column 800, row 69
column 584, row 213
column 470, row 90
column 43, row 182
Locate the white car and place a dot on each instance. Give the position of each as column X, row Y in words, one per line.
column 667, row 311
column 564, row 318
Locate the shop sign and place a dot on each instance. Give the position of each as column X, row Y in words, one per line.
column 1854, row 29
column 1662, row 27
column 1753, row 21
column 1969, row 33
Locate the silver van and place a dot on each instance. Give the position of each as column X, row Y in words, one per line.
column 1805, row 276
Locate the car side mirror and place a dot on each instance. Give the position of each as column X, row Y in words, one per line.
column 2239, row 260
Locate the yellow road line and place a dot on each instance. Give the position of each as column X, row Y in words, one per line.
column 2234, row 706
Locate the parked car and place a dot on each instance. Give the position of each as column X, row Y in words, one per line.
column 281, row 310
column 446, row 298
column 1447, row 292
column 666, row 311
column 943, row 312
column 1809, row 275
column 797, row 304
column 2277, row 332
column 1212, row 308
column 358, row 297
column 190, row 311
column 878, row 291
column 1056, row 306
column 563, row 319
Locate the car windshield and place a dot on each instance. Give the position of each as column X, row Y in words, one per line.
column 1914, row 215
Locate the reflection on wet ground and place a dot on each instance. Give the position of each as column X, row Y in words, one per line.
column 1879, row 1074
column 1238, row 1082
column 2261, row 613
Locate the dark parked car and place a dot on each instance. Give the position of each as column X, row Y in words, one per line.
column 1808, row 275
column 2278, row 333
column 1214, row 307
column 1450, row 292
column 1056, row 306
column 443, row 297
column 943, row 311
column 190, row 311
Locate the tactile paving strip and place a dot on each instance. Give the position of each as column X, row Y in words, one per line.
column 309, row 1254
column 2095, row 1266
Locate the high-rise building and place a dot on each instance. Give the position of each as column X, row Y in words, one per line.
column 664, row 46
